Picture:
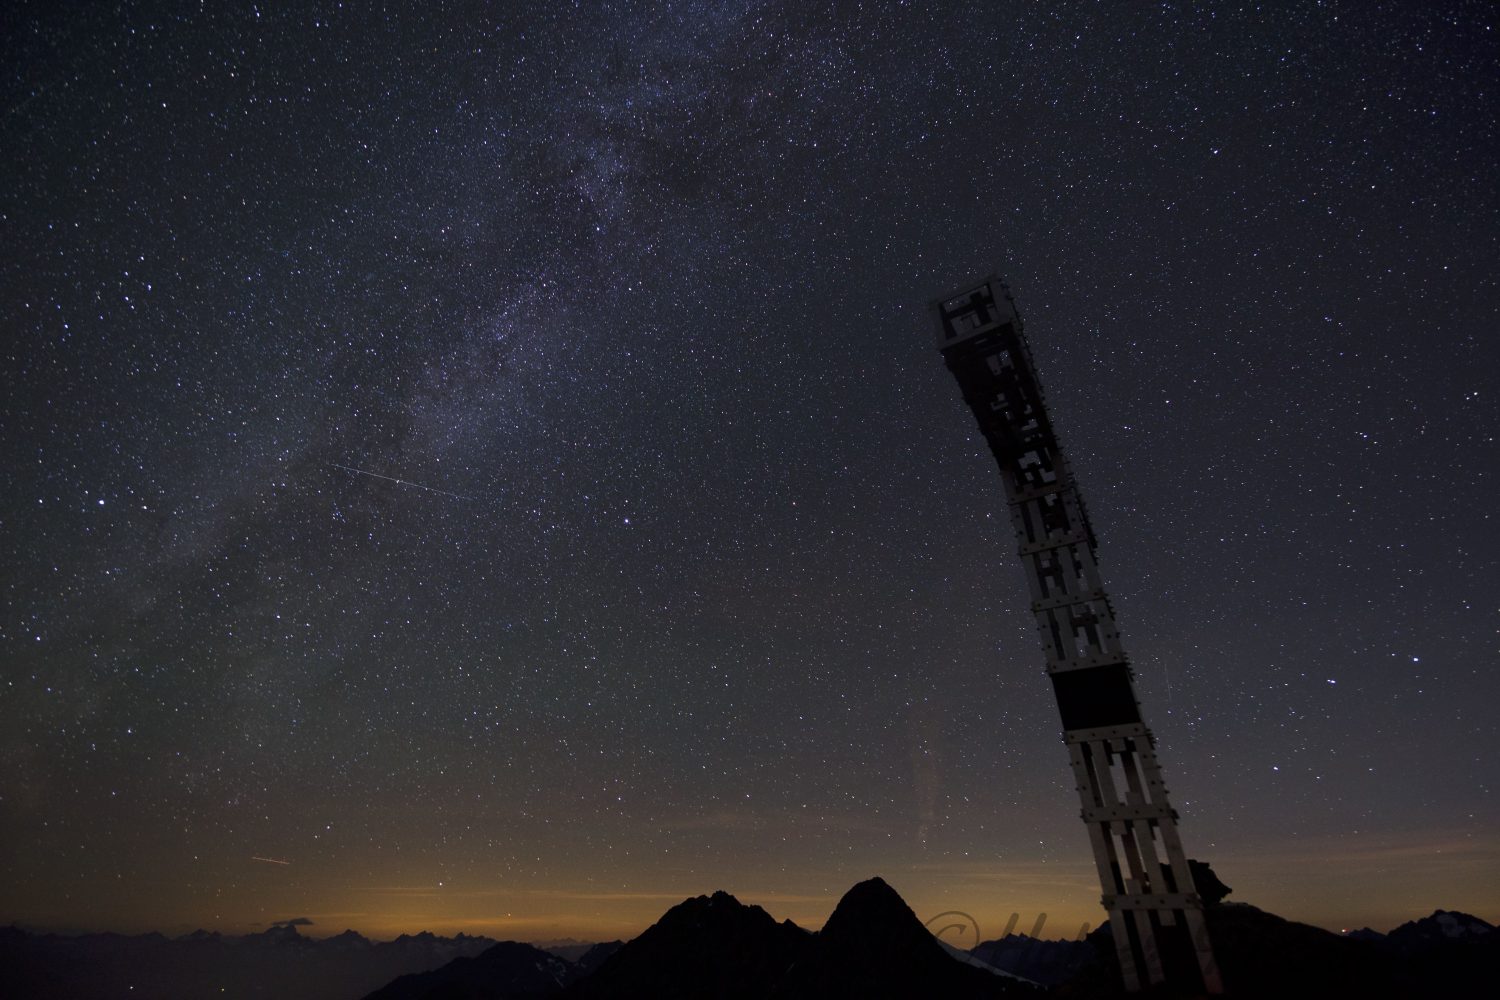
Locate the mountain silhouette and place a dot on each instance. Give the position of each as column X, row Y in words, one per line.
column 1263, row 955
column 708, row 946
column 508, row 971
column 1454, row 951
column 278, row 963
column 1442, row 927
column 717, row 948
column 873, row 946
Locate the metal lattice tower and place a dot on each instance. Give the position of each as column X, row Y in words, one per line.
column 1147, row 884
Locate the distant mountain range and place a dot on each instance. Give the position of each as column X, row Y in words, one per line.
column 872, row 947
column 510, row 970
column 1049, row 963
column 278, row 962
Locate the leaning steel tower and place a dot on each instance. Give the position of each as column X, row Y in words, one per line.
column 1148, row 887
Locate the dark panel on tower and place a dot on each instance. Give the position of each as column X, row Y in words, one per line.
column 1096, row 697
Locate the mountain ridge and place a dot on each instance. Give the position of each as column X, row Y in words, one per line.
column 716, row 946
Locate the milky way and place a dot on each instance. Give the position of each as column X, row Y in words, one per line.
column 708, row 582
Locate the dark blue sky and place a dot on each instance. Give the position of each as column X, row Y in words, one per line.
column 697, row 573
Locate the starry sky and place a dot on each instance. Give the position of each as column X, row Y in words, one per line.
column 487, row 467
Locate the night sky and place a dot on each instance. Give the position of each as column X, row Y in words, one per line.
column 488, row 468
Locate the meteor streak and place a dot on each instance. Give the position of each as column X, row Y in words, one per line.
column 399, row 482
column 269, row 861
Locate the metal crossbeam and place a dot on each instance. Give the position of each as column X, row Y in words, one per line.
column 1143, row 871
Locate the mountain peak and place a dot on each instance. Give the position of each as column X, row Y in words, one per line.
column 285, row 933
column 872, row 893
column 348, row 939
column 420, row 936
column 873, row 917
column 1443, row 925
column 704, row 946
column 719, row 910
column 873, row 945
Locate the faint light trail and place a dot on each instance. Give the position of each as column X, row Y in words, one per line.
column 269, row 861
column 398, row 482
